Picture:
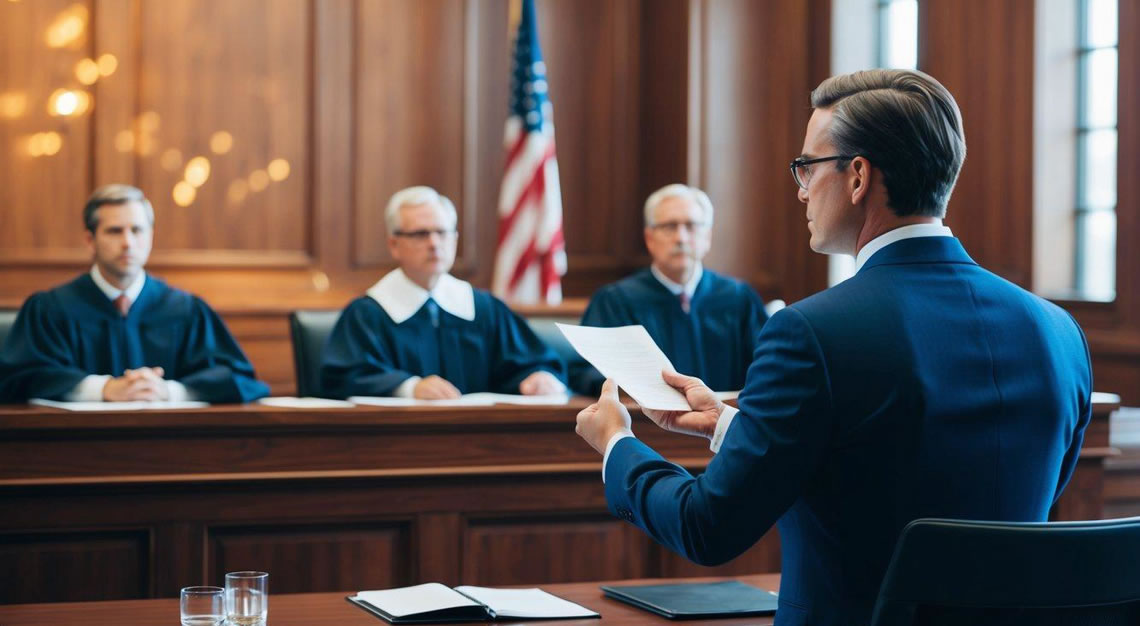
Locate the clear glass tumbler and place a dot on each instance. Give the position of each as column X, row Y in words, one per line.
column 247, row 598
column 203, row 606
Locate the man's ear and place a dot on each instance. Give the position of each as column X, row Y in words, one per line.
column 860, row 179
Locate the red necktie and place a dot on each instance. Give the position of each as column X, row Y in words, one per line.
column 684, row 302
column 122, row 304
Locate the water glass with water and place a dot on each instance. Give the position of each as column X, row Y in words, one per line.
column 247, row 598
column 203, row 606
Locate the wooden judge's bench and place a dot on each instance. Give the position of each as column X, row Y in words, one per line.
column 102, row 506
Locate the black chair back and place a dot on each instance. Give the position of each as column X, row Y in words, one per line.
column 7, row 320
column 547, row 331
column 1013, row 574
column 310, row 330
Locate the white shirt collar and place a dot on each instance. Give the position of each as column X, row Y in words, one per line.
column 898, row 234
column 674, row 288
column 133, row 290
column 401, row 298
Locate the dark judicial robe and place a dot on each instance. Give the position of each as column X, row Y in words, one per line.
column 63, row 335
column 370, row 354
column 714, row 341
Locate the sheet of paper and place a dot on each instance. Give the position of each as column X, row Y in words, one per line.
column 290, row 402
column 628, row 355
column 389, row 401
column 525, row 603
column 553, row 399
column 726, row 395
column 118, row 406
column 416, row 599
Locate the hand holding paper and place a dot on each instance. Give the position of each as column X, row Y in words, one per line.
column 628, row 355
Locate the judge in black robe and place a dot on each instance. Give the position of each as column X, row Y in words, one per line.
column 707, row 324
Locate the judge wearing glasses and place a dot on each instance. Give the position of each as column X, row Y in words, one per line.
column 924, row 386
column 707, row 324
column 422, row 333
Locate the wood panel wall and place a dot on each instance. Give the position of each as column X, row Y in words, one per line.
column 362, row 98
column 988, row 65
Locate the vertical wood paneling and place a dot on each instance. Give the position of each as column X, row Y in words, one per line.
column 409, row 123
column 236, row 67
column 988, row 65
column 40, row 195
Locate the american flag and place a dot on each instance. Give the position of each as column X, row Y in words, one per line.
column 531, row 254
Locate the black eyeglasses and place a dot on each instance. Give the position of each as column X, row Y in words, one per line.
column 421, row 236
column 801, row 167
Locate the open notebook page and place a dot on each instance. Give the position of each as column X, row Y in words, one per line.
column 525, row 603
column 416, row 599
column 628, row 355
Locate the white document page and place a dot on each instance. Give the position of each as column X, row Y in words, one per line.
column 628, row 355
column 526, row 603
column 118, row 406
column 553, row 399
column 416, row 599
column 466, row 400
column 290, row 402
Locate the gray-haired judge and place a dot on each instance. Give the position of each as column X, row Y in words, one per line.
column 117, row 334
column 420, row 332
column 707, row 324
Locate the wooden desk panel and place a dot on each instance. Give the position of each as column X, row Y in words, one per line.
column 331, row 608
column 128, row 505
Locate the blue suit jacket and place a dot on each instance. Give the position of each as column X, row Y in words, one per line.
column 924, row 386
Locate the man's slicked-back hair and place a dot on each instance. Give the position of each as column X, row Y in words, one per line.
column 113, row 194
column 907, row 125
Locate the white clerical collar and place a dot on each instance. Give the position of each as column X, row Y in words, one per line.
column 676, row 288
column 133, row 290
column 401, row 298
column 898, row 234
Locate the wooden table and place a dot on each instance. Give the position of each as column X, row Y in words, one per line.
column 137, row 505
column 309, row 609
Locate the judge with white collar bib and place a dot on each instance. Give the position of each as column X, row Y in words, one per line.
column 422, row 333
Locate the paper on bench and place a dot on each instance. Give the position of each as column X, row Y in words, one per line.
column 628, row 355
column 139, row 405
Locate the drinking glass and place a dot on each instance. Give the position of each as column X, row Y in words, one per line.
column 247, row 598
column 203, row 606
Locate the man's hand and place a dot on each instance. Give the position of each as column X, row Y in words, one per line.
column 602, row 420
column 435, row 388
column 145, row 383
column 540, row 384
column 701, row 421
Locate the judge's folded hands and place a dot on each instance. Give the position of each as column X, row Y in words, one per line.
column 435, row 388
column 145, row 383
column 541, row 383
column 600, row 421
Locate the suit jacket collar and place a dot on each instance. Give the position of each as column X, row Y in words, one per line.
column 920, row 250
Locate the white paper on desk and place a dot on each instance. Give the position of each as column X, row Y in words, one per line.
column 466, row 400
column 290, row 402
column 416, row 599
column 118, row 406
column 628, row 355
column 525, row 603
column 553, row 399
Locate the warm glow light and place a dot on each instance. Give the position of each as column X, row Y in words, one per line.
column 198, row 171
column 258, row 180
column 237, row 191
column 36, row 145
column 87, row 71
column 278, row 169
column 183, row 193
column 221, row 142
column 145, row 145
column 67, row 103
column 124, row 141
column 52, row 142
column 107, row 64
column 149, row 121
column 67, row 27
column 13, row 104
column 171, row 159
column 320, row 281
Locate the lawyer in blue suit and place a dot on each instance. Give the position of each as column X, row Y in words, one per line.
column 923, row 386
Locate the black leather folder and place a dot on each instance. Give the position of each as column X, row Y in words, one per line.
column 696, row 600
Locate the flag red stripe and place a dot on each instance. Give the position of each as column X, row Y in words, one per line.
column 513, row 153
column 535, row 188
